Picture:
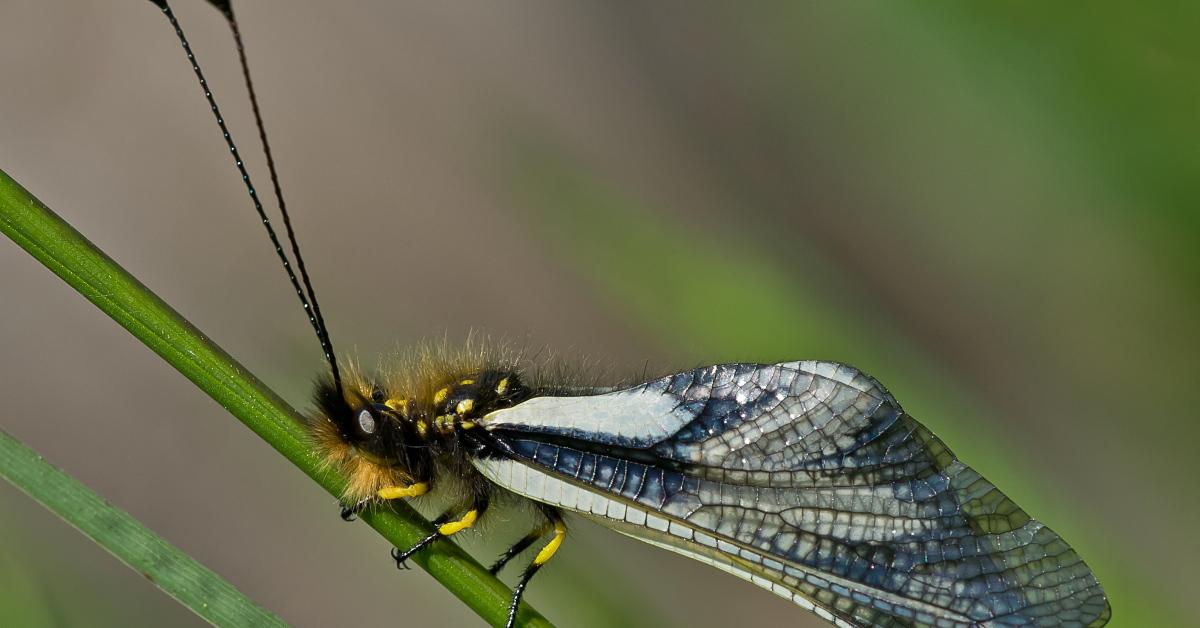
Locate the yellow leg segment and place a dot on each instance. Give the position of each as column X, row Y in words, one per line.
column 397, row 492
column 452, row 527
column 560, row 531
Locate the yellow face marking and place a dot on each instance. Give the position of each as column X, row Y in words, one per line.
column 440, row 396
column 397, row 492
column 468, row 520
column 422, row 429
column 465, row 407
column 467, row 382
column 399, row 405
column 502, row 387
column 547, row 552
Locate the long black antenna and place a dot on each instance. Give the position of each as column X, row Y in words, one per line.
column 308, row 297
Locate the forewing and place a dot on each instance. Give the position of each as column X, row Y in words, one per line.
column 806, row 478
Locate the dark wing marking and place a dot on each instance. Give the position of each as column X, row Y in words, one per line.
column 811, row 476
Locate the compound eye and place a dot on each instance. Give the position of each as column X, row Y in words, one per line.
column 377, row 395
column 366, row 421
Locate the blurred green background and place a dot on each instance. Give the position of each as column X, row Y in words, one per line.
column 989, row 207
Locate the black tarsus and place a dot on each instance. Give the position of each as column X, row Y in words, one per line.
column 401, row 557
column 480, row 506
column 350, row 512
column 553, row 517
column 306, row 294
column 518, row 592
column 517, row 548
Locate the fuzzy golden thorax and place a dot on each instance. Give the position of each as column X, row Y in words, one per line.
column 395, row 429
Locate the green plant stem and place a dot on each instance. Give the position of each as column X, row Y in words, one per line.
column 118, row 294
column 169, row 568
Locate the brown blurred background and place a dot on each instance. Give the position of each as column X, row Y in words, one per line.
column 992, row 210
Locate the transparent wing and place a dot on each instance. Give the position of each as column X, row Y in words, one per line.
column 806, row 478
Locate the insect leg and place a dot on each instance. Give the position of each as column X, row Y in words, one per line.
column 547, row 552
column 397, row 492
column 445, row 527
column 349, row 512
column 518, row 547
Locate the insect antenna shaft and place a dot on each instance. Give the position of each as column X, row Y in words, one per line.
column 306, row 294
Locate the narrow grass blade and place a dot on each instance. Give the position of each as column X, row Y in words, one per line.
column 177, row 574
